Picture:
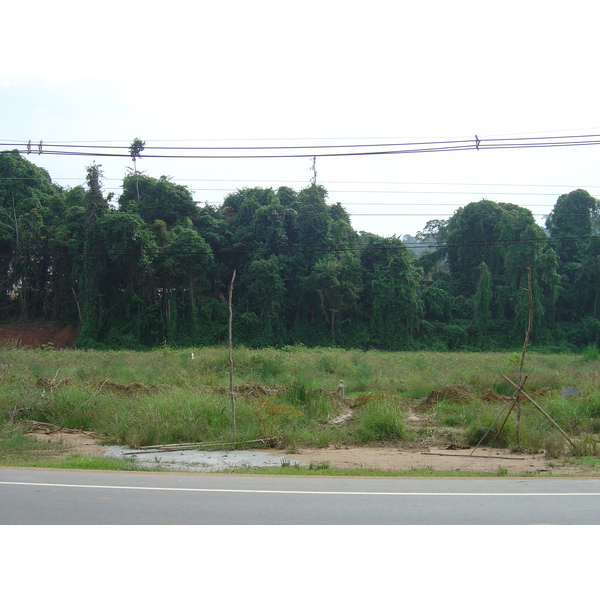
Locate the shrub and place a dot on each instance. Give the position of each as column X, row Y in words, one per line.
column 381, row 420
column 554, row 445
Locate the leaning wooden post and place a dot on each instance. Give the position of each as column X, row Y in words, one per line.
column 231, row 392
column 525, row 344
column 541, row 410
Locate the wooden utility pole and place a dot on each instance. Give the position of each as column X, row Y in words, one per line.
column 231, row 392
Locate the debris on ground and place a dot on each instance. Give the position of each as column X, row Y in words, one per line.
column 49, row 428
column 455, row 394
column 130, row 388
column 250, row 390
column 492, row 397
column 47, row 384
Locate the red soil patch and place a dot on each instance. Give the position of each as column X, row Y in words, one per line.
column 36, row 335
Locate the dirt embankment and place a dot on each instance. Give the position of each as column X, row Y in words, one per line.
column 38, row 335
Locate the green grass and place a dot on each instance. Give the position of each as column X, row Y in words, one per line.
column 381, row 420
column 165, row 396
column 95, row 463
column 18, row 450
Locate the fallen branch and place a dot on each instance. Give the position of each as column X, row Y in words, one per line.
column 175, row 447
column 475, row 456
column 41, row 427
column 96, row 393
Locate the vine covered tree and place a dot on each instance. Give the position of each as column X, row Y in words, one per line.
column 156, row 268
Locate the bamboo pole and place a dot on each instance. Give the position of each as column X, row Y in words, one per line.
column 474, row 456
column 541, row 410
column 515, row 400
column 231, row 392
column 181, row 447
column 525, row 344
column 511, row 400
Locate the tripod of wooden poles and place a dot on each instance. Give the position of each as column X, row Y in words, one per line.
column 520, row 395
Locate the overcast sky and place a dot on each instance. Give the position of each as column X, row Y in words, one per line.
column 299, row 73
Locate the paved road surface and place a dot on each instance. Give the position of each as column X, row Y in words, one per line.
column 36, row 497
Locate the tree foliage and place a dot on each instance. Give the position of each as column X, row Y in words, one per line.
column 155, row 267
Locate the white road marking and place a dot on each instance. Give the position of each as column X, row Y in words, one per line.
column 308, row 492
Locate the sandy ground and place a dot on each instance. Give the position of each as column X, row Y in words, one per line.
column 486, row 460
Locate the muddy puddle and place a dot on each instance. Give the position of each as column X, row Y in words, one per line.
column 203, row 461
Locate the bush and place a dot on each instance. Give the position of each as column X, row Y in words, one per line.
column 381, row 420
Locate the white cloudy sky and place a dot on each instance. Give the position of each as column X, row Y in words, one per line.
column 325, row 72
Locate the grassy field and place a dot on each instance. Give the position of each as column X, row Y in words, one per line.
column 174, row 396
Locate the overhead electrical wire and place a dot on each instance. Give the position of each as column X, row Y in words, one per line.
column 81, row 149
column 41, row 147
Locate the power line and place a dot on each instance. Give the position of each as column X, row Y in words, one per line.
column 359, row 149
column 345, row 182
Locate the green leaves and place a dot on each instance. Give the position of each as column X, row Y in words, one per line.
column 136, row 148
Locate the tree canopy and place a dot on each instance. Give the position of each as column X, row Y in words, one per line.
column 154, row 268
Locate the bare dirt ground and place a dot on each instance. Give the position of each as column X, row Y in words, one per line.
column 483, row 460
column 36, row 335
column 393, row 458
column 69, row 441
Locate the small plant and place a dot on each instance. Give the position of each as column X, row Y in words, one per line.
column 381, row 420
column 588, row 446
column 318, row 465
column 502, row 471
column 514, row 358
column 554, row 445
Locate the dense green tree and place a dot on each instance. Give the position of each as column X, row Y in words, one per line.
column 185, row 266
column 573, row 227
column 483, row 301
column 119, row 252
column 160, row 198
column 571, row 223
column 156, row 270
column 271, row 225
column 336, row 281
column 29, row 204
column 265, row 298
column 471, row 237
column 392, row 302
column 314, row 222
column 506, row 238
column 97, row 204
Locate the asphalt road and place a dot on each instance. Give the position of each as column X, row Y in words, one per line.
column 57, row 497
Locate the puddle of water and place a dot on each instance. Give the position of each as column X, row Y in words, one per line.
column 199, row 460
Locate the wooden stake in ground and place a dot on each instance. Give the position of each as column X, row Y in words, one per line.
column 231, row 392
